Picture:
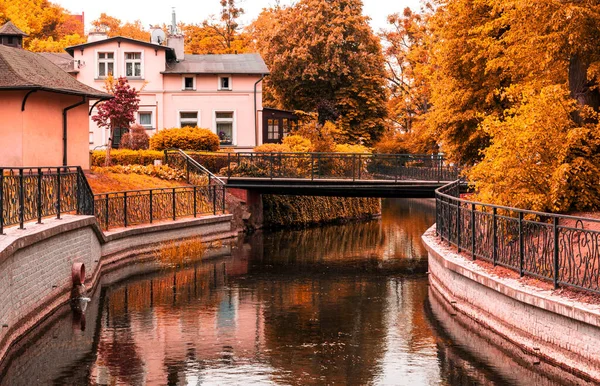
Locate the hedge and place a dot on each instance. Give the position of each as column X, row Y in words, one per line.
column 126, row 157
column 186, row 138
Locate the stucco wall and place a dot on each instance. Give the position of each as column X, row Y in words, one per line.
column 35, row 263
column 556, row 329
column 34, row 137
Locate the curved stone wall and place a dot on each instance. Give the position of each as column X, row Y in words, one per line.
column 544, row 324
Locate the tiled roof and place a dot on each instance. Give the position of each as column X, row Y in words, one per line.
column 9, row 28
column 24, row 70
column 219, row 64
column 62, row 60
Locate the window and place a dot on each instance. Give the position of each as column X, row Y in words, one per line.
column 91, row 137
column 133, row 64
column 224, row 125
column 188, row 119
column 189, row 83
column 106, row 64
column 224, row 83
column 286, row 127
column 145, row 119
column 273, row 129
column 11, row 40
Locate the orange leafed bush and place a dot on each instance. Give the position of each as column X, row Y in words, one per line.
column 186, row 138
column 135, row 139
column 127, row 157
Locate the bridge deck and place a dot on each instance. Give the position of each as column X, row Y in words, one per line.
column 337, row 187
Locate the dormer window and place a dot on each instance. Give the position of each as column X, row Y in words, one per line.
column 224, row 83
column 106, row 64
column 189, row 83
column 133, row 64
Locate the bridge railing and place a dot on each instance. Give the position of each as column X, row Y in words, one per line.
column 314, row 166
column 30, row 193
column 562, row 249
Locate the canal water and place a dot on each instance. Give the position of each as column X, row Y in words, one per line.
column 344, row 304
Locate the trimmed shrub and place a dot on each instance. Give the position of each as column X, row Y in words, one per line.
column 272, row 148
column 186, row 138
column 163, row 172
column 135, row 139
column 126, row 157
column 347, row 148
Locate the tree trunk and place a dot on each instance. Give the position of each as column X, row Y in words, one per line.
column 111, row 133
column 582, row 90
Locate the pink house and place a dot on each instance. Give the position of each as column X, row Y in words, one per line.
column 219, row 92
column 43, row 109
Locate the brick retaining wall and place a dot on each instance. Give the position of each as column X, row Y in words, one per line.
column 35, row 263
column 558, row 330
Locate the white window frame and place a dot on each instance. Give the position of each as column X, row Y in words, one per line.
column 234, row 124
column 139, row 121
column 193, row 76
column 188, row 111
column 230, row 83
column 141, row 61
column 97, row 62
column 91, row 137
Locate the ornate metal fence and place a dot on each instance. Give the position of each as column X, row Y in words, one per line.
column 123, row 209
column 562, row 249
column 27, row 194
column 424, row 167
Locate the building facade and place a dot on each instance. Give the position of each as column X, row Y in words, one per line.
column 222, row 93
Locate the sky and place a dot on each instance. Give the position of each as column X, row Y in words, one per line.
column 159, row 12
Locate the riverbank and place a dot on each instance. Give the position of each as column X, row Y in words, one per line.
column 36, row 263
column 561, row 331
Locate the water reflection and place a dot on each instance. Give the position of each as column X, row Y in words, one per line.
column 345, row 304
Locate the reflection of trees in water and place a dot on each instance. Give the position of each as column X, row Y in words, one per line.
column 325, row 331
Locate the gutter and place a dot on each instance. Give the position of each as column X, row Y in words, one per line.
column 256, row 112
column 65, row 110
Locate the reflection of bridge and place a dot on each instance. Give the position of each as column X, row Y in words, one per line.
column 324, row 174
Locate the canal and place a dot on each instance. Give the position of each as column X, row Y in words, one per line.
column 344, row 304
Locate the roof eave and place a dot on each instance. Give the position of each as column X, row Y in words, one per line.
column 58, row 91
column 214, row 73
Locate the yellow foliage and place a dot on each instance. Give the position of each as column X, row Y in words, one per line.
column 297, row 143
column 345, row 148
column 126, row 157
column 272, row 148
column 179, row 253
column 103, row 181
column 185, row 138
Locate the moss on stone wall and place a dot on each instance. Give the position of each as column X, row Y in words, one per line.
column 299, row 211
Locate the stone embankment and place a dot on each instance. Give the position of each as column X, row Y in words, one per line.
column 546, row 326
column 35, row 263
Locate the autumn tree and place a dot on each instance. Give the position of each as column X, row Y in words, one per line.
column 49, row 26
column 115, row 27
column 118, row 112
column 324, row 57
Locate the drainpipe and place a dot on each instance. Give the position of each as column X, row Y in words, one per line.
column 65, row 110
column 256, row 112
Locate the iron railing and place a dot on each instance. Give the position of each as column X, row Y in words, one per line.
column 558, row 248
column 31, row 193
column 196, row 174
column 135, row 207
column 424, row 167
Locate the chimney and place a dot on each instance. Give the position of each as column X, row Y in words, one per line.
column 95, row 36
column 175, row 38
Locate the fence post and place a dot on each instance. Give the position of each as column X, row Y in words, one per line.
column 353, row 167
column 312, row 166
column 458, row 226
column 359, row 166
column 151, row 207
column 555, row 223
column 495, row 236
column 473, row 231
column 58, row 193
column 223, row 202
column 125, row 209
column 521, row 246
column 195, row 203
column 229, row 166
column 272, row 157
column 21, row 201
column 39, row 197
column 1, row 201
column 106, row 211
column 174, row 205
column 214, row 194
